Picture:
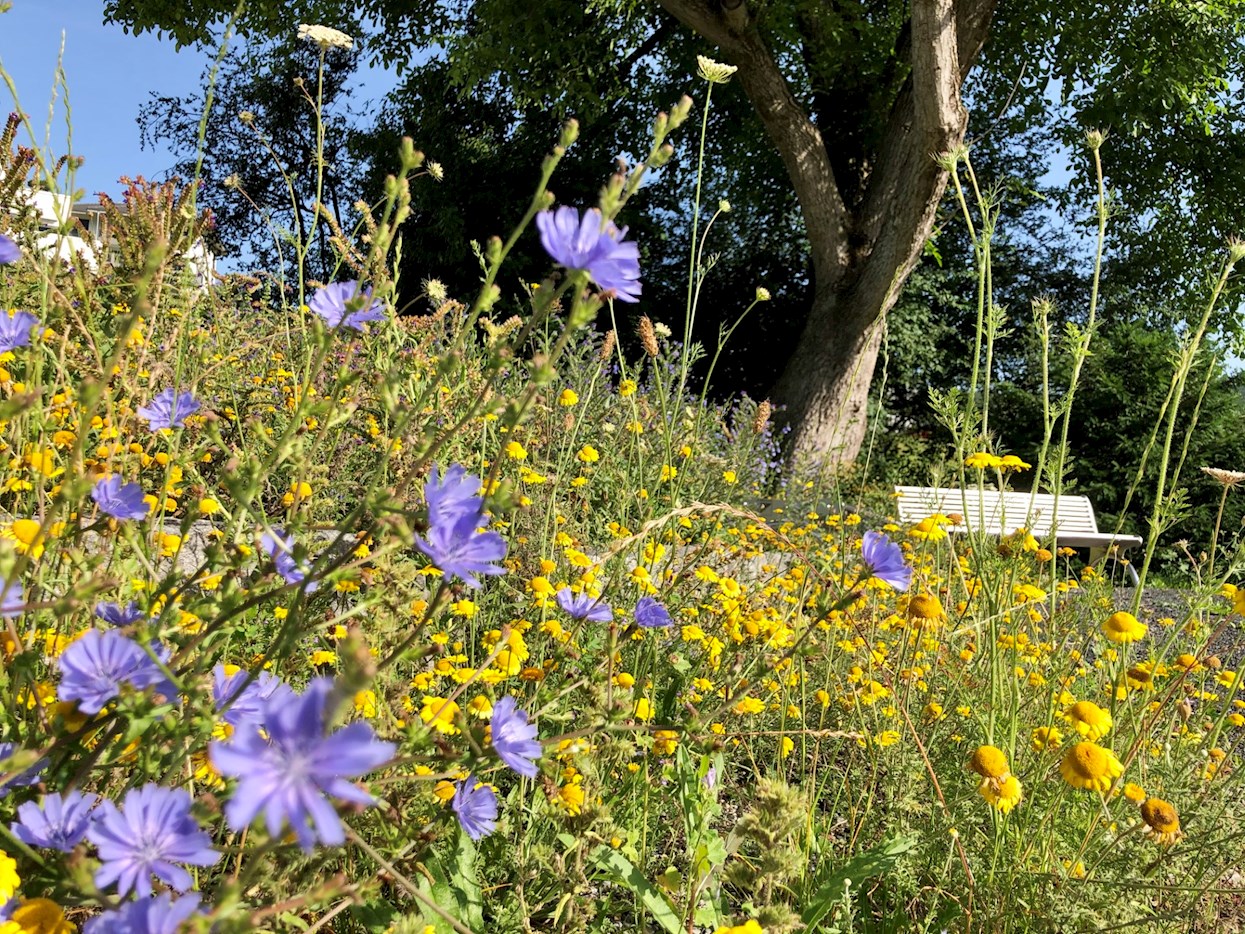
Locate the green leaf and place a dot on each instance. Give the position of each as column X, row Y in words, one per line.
column 467, row 886
column 620, row 870
column 455, row 887
column 376, row 916
column 881, row 859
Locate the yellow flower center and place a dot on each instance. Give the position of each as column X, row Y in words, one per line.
column 925, row 606
column 1160, row 815
column 1090, row 766
column 989, row 762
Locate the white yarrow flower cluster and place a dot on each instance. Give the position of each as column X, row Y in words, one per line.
column 325, row 37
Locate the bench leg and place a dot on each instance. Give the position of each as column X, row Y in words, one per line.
column 1102, row 555
column 1132, row 571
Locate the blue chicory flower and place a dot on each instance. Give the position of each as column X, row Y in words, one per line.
column 21, row 779
column 151, row 831
column 475, row 805
column 239, row 702
column 169, row 409
column 456, row 542
column 345, row 304
column 884, row 560
column 290, row 768
column 280, row 547
column 649, row 614
column 9, row 251
column 584, row 606
column 15, row 330
column 594, row 247
column 119, row 499
column 12, row 600
column 452, row 495
column 116, row 615
column 56, row 822
column 156, row 914
column 514, row 739
column 95, row 666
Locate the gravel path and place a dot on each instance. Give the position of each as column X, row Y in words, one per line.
column 1158, row 602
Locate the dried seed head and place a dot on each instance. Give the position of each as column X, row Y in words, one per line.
column 1229, row 478
column 761, row 421
column 607, row 348
column 648, row 337
column 436, row 291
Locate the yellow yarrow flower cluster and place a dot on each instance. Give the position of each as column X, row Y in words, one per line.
column 982, row 460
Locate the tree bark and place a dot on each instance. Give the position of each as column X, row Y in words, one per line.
column 861, row 256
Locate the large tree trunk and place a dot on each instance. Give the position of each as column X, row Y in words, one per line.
column 825, row 385
column 863, row 252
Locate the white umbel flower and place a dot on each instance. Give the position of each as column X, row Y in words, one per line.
column 325, row 37
column 714, row 72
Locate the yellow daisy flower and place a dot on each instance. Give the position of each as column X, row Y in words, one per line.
column 1123, row 628
column 37, row 916
column 1090, row 720
column 1162, row 822
column 1090, row 766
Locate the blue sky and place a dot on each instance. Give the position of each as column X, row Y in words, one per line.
column 109, row 75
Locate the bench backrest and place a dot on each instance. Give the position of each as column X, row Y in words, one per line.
column 995, row 512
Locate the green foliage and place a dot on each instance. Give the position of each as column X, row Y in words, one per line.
column 260, row 162
column 834, row 884
column 802, row 747
column 618, row 869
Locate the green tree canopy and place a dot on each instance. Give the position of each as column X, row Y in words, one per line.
column 831, row 119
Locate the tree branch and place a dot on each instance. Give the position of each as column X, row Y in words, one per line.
column 703, row 17
column 646, row 48
column 797, row 139
column 936, row 73
column 928, row 118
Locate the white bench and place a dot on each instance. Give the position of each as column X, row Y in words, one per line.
column 1001, row 514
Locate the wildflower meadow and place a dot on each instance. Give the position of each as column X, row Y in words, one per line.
column 359, row 606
